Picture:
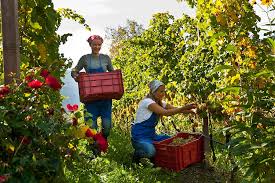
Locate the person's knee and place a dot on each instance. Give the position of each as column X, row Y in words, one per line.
column 93, row 122
column 150, row 152
column 106, row 133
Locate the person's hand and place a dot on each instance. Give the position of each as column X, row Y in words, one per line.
column 76, row 78
column 194, row 111
column 190, row 106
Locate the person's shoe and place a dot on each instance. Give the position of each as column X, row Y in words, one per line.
column 152, row 160
column 136, row 159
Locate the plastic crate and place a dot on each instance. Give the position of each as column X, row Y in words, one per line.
column 177, row 157
column 99, row 86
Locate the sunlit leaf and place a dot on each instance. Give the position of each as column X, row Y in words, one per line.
column 231, row 48
column 35, row 25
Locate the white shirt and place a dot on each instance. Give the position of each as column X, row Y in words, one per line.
column 143, row 113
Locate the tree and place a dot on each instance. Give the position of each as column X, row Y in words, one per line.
column 120, row 34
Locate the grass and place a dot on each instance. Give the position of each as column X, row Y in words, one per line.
column 116, row 166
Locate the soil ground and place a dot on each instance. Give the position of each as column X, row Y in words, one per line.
column 202, row 173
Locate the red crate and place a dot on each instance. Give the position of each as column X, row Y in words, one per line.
column 98, row 86
column 177, row 157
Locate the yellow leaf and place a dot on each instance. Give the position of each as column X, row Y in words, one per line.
column 93, row 131
column 27, row 94
column 266, row 2
column 10, row 147
column 234, row 78
column 70, row 146
column 253, row 2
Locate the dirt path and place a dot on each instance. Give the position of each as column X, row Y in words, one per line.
column 200, row 173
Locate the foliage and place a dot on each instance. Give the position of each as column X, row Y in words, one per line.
column 32, row 133
column 219, row 58
column 120, row 34
column 148, row 54
column 34, row 141
column 243, row 83
column 116, row 166
column 70, row 14
column 191, row 3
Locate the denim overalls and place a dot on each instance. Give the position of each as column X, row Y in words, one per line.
column 143, row 136
column 101, row 108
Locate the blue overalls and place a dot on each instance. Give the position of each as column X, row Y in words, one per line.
column 101, row 108
column 143, row 136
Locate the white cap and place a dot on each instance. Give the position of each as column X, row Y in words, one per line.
column 154, row 85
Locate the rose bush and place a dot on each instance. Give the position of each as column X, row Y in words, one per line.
column 33, row 124
column 33, row 141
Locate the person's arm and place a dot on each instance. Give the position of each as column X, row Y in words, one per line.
column 77, row 68
column 156, row 108
column 169, row 106
column 109, row 65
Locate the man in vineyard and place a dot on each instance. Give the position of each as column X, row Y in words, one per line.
column 150, row 109
column 94, row 63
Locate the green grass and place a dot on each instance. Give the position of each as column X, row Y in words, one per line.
column 116, row 166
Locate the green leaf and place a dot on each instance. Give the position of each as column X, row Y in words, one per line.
column 265, row 160
column 234, row 89
column 264, row 72
column 220, row 68
column 256, row 147
column 33, row 157
column 231, row 48
column 36, row 25
column 271, row 42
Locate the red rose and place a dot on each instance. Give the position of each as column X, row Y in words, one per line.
column 3, row 178
column 101, row 141
column 35, row 84
column 44, row 73
column 72, row 108
column 28, row 78
column 53, row 82
column 4, row 90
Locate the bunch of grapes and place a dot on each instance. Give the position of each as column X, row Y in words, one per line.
column 180, row 140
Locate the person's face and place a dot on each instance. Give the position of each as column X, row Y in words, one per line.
column 96, row 46
column 160, row 93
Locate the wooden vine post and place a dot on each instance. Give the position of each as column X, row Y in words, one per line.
column 10, row 33
column 205, row 130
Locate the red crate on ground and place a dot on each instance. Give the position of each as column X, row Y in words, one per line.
column 177, row 157
column 98, row 86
